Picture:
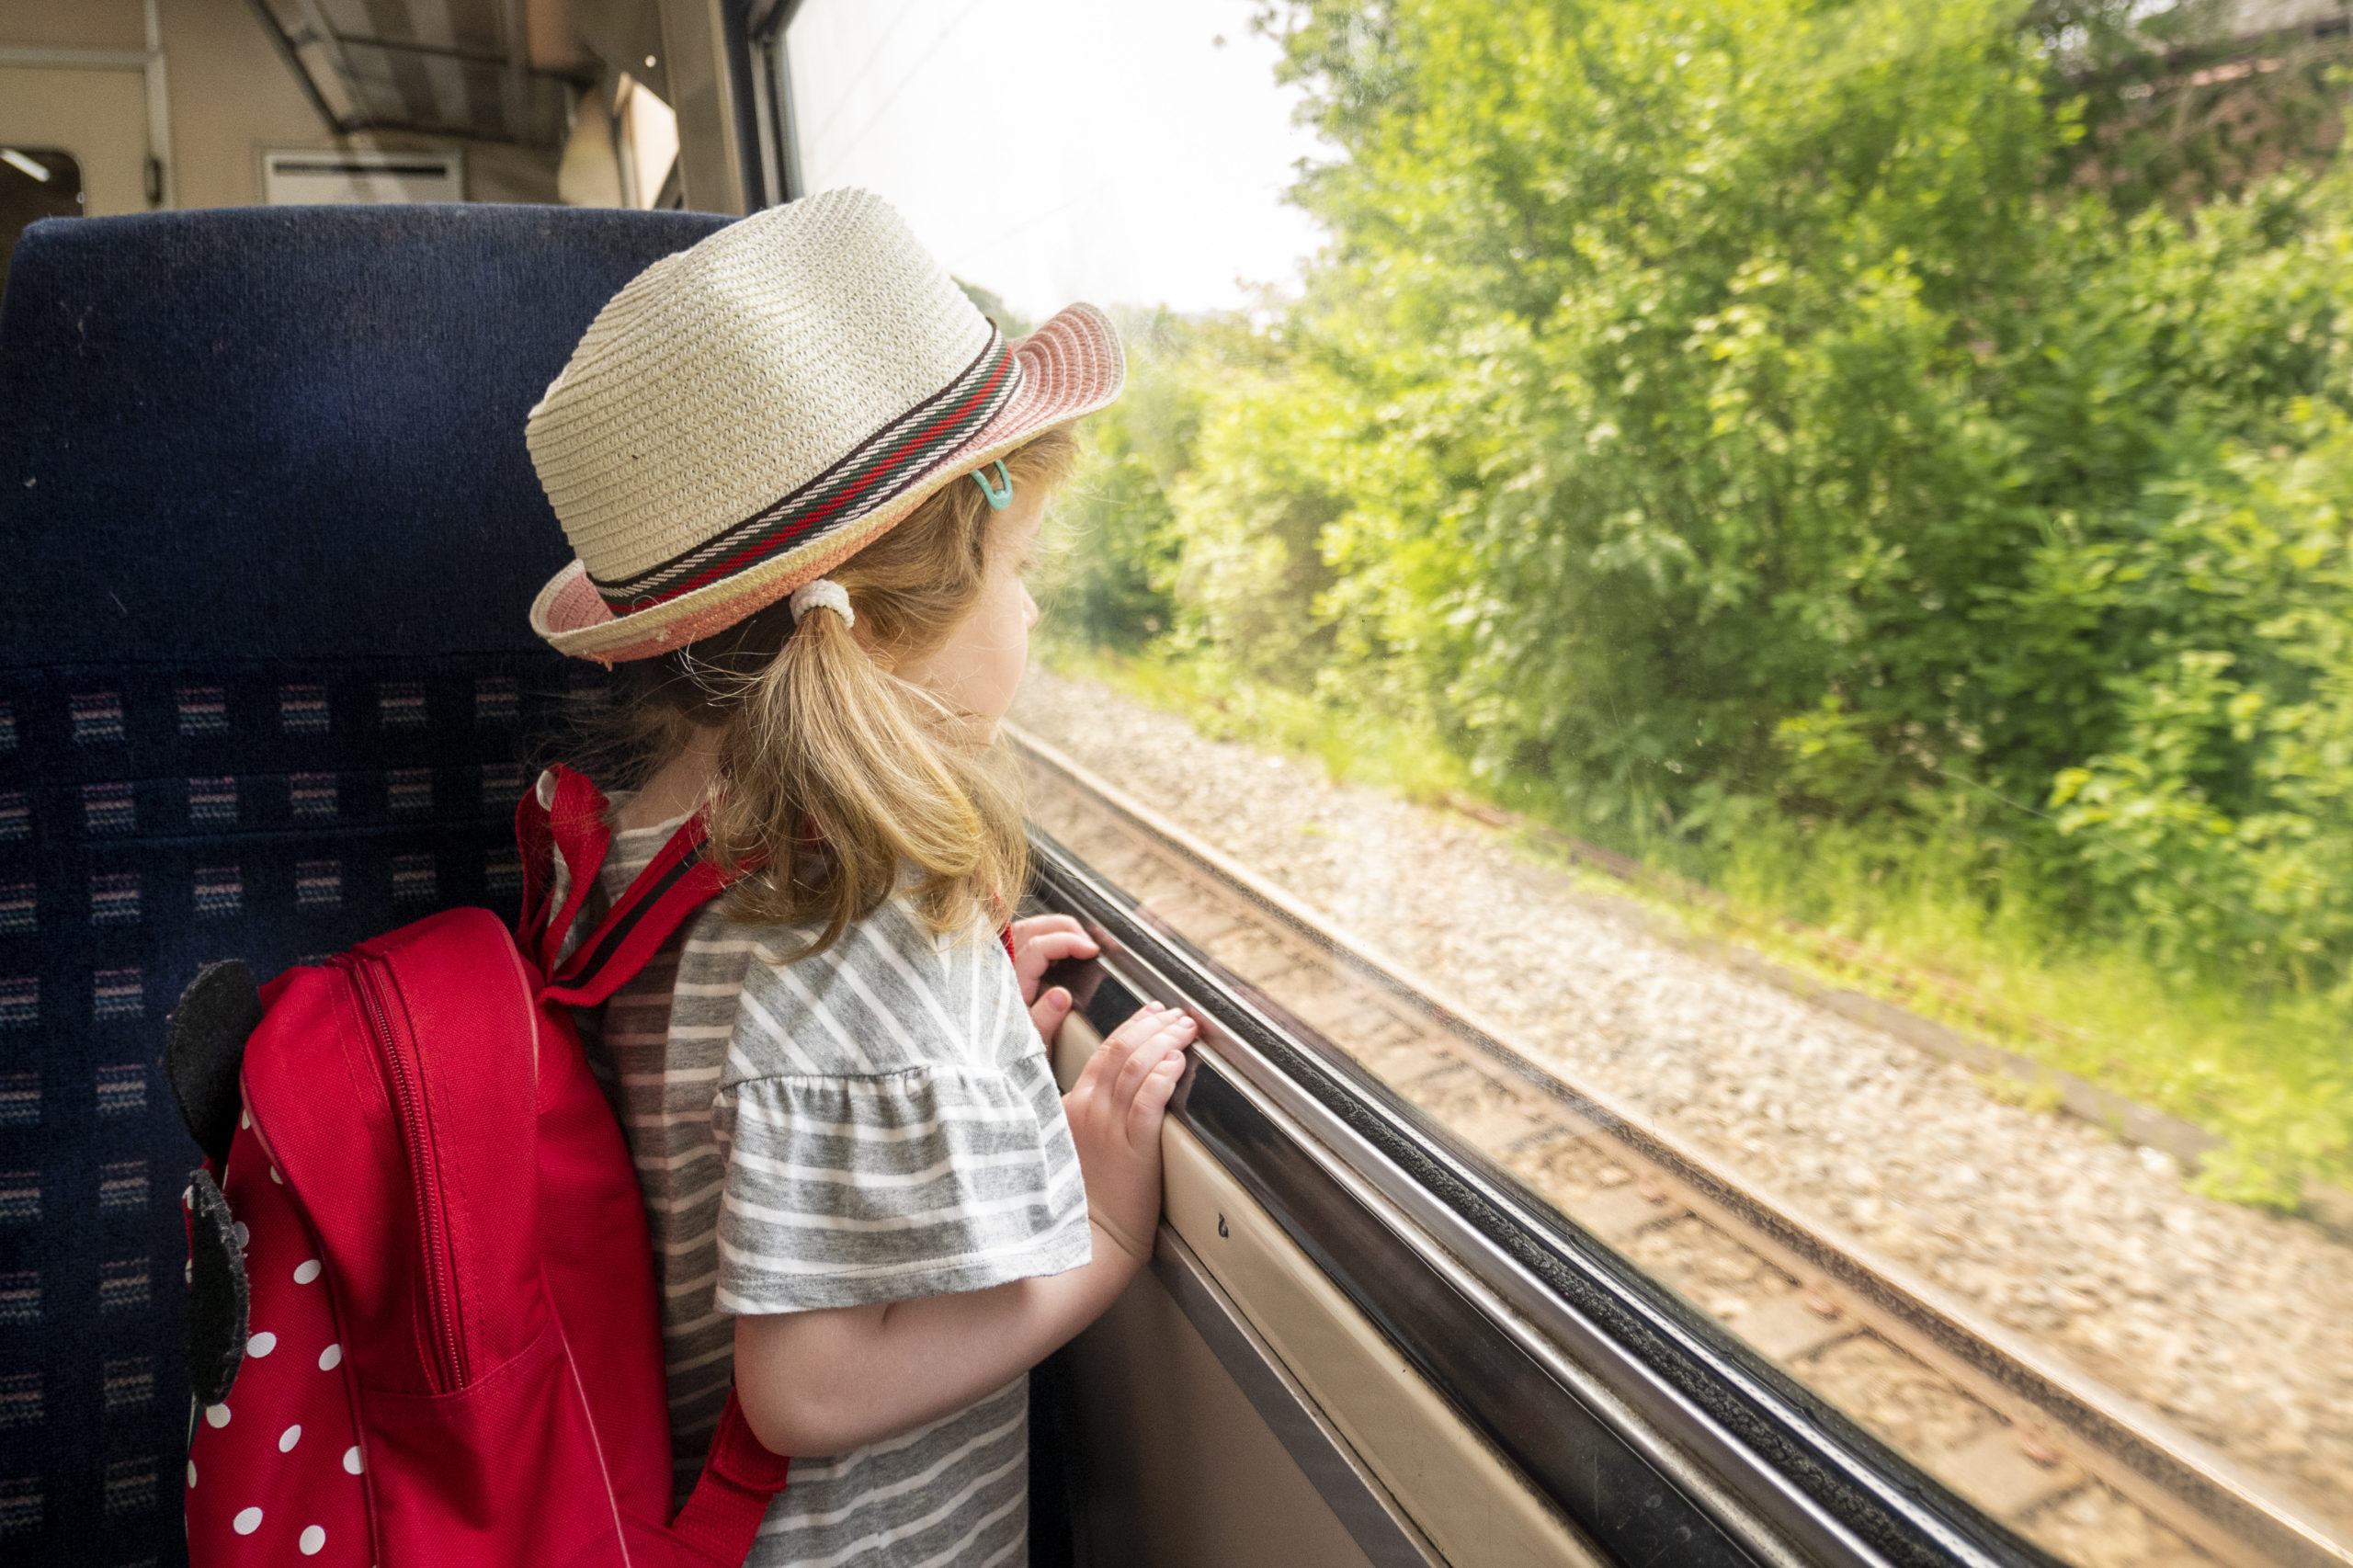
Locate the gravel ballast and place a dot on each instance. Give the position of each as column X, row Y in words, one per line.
column 2236, row 1323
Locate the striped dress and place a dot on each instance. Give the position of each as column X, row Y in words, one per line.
column 875, row 1123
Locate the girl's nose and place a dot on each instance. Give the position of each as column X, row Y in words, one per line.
column 1028, row 608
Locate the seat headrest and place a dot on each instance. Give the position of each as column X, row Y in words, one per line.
column 290, row 432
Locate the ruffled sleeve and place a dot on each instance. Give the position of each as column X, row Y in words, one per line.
column 842, row 1191
column 891, row 1129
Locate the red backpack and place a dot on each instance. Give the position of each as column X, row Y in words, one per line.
column 424, row 1323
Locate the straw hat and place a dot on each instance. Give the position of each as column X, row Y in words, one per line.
column 745, row 415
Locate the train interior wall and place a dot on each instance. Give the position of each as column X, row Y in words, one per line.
column 1203, row 1479
column 230, row 97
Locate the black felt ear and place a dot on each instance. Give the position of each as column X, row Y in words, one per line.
column 204, row 1046
column 219, row 1298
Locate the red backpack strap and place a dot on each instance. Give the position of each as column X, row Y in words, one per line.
column 569, row 823
column 676, row 883
column 722, row 1515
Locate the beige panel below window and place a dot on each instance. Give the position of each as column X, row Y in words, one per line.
column 1472, row 1504
column 1467, row 1500
column 1176, row 1470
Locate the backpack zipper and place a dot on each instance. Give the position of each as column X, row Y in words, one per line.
column 417, row 1142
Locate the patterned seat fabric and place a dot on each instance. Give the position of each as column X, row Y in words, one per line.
column 265, row 688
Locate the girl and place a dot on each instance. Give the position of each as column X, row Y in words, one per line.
column 802, row 476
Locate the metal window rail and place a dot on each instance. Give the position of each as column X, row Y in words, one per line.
column 1642, row 1423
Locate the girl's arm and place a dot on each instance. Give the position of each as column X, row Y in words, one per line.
column 829, row 1380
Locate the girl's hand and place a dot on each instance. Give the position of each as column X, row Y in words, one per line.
column 833, row 1379
column 1115, row 1110
column 1037, row 943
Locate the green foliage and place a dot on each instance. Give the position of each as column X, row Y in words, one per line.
column 1225, row 702
column 1108, row 579
column 1742, row 428
column 2219, row 816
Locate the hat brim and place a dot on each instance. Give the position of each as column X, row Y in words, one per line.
column 1070, row 368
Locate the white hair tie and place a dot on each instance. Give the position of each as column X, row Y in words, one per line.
column 823, row 594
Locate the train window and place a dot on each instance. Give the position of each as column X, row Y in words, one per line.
column 1735, row 667
column 35, row 183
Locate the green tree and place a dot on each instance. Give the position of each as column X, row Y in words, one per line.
column 1745, row 423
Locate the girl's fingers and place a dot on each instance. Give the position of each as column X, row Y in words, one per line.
column 1112, row 1054
column 1129, row 1051
column 1055, row 928
column 1045, row 950
column 1152, row 1099
column 1170, row 1039
column 1139, row 1028
column 1049, row 1011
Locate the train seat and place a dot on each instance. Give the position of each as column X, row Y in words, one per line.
column 265, row 688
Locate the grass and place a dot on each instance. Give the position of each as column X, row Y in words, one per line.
column 1352, row 746
column 1858, row 908
column 2271, row 1074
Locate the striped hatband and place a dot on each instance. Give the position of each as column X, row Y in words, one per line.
column 869, row 474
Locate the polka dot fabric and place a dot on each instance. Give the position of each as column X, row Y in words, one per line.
column 276, row 1474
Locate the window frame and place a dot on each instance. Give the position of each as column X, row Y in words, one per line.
column 762, row 65
column 1611, row 1375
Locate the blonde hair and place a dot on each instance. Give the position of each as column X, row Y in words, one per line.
column 839, row 783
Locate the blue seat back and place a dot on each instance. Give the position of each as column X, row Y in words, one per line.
column 266, row 689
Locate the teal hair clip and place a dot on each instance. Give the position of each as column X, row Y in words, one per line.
column 1000, row 494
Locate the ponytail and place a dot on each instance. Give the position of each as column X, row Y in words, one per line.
column 842, row 785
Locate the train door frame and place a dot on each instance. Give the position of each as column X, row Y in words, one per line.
column 767, row 71
column 159, row 181
column 728, row 78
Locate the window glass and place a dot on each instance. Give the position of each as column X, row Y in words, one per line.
column 1792, row 560
column 35, row 183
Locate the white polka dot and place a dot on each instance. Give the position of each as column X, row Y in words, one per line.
column 261, row 1344
column 188, row 1271
column 312, row 1539
column 247, row 1521
column 191, row 1473
column 245, row 1119
column 281, row 1181
column 244, row 1235
column 352, row 1458
column 216, row 1415
column 287, row 1438
column 306, row 1271
column 188, row 1197
column 330, row 1359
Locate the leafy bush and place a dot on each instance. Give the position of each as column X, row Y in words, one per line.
column 1742, row 421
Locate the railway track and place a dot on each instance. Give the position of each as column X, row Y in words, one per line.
column 2062, row 1459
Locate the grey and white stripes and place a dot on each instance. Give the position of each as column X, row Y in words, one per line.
column 875, row 1123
